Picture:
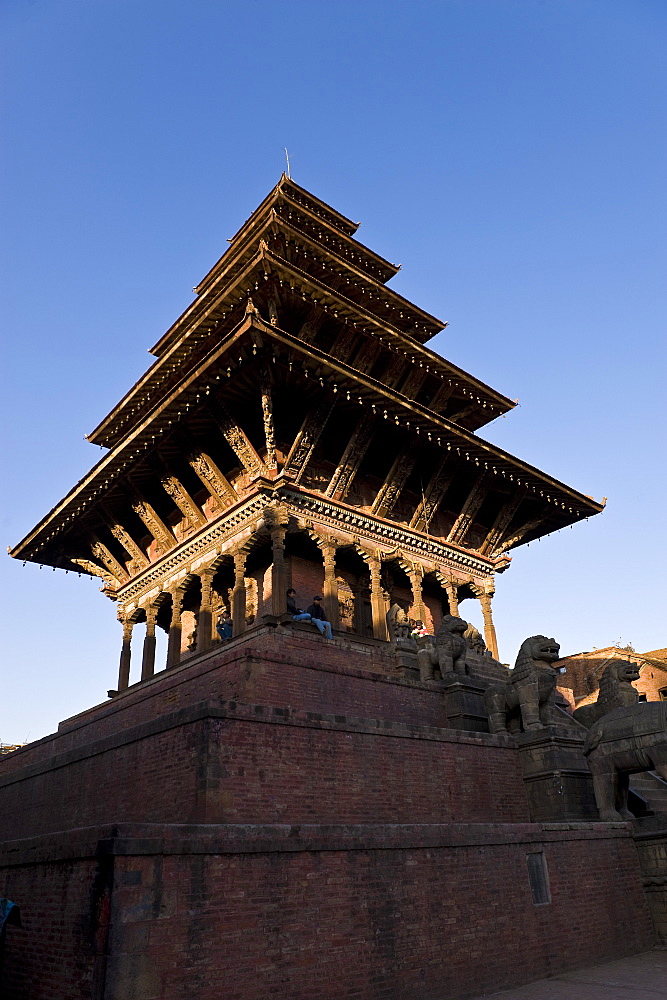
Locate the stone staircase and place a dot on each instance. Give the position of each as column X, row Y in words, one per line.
column 652, row 789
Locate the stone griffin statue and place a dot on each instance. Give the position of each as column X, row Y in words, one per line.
column 474, row 640
column 616, row 691
column 522, row 702
column 623, row 742
column 446, row 650
column 398, row 625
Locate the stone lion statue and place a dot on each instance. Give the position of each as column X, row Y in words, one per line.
column 623, row 742
column 522, row 703
column 446, row 650
column 616, row 691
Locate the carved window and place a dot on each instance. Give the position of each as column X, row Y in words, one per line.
column 538, row 876
column 663, row 694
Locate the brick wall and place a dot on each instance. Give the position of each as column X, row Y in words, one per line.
column 64, row 912
column 256, row 764
column 303, row 672
column 329, row 838
column 307, row 580
column 306, row 915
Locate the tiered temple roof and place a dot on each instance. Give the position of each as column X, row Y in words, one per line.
column 297, row 377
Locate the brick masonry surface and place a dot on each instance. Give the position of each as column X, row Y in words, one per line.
column 306, row 912
column 287, row 818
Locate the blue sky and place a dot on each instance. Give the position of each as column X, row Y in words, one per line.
column 510, row 154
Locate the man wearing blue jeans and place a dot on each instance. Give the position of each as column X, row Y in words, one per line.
column 319, row 619
column 298, row 614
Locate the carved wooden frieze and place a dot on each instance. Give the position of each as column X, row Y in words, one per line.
column 393, row 536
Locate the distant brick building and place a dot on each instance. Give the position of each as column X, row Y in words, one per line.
column 580, row 681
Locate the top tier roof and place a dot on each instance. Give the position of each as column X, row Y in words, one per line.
column 296, row 230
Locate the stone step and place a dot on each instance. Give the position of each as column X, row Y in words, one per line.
column 651, row 788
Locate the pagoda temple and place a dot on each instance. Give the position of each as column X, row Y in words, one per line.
column 295, row 429
column 274, row 813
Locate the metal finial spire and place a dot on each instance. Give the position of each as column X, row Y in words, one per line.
column 287, row 158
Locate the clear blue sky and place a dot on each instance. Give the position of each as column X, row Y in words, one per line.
column 510, row 154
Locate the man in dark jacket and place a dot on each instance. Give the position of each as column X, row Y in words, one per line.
column 298, row 614
column 319, row 619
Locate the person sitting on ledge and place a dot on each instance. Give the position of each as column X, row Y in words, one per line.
column 319, row 619
column 298, row 614
column 224, row 626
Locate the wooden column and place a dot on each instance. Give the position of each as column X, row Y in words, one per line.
column 489, row 628
column 453, row 598
column 148, row 659
column 174, row 647
column 330, row 584
column 378, row 609
column 205, row 616
column 416, row 576
column 238, row 594
column 278, row 570
column 125, row 654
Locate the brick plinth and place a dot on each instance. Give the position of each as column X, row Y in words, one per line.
column 335, row 912
column 284, row 817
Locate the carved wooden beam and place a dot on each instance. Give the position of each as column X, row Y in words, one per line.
column 357, row 447
column 368, row 356
column 306, row 440
column 160, row 531
column 343, row 343
column 267, row 418
column 185, row 503
column 516, row 537
column 310, row 328
column 123, row 536
column 433, row 495
column 468, row 511
column 108, row 560
column 413, row 382
column 467, row 411
column 441, row 397
column 88, row 566
column 238, row 440
column 398, row 476
column 395, row 369
column 501, row 523
column 218, row 485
